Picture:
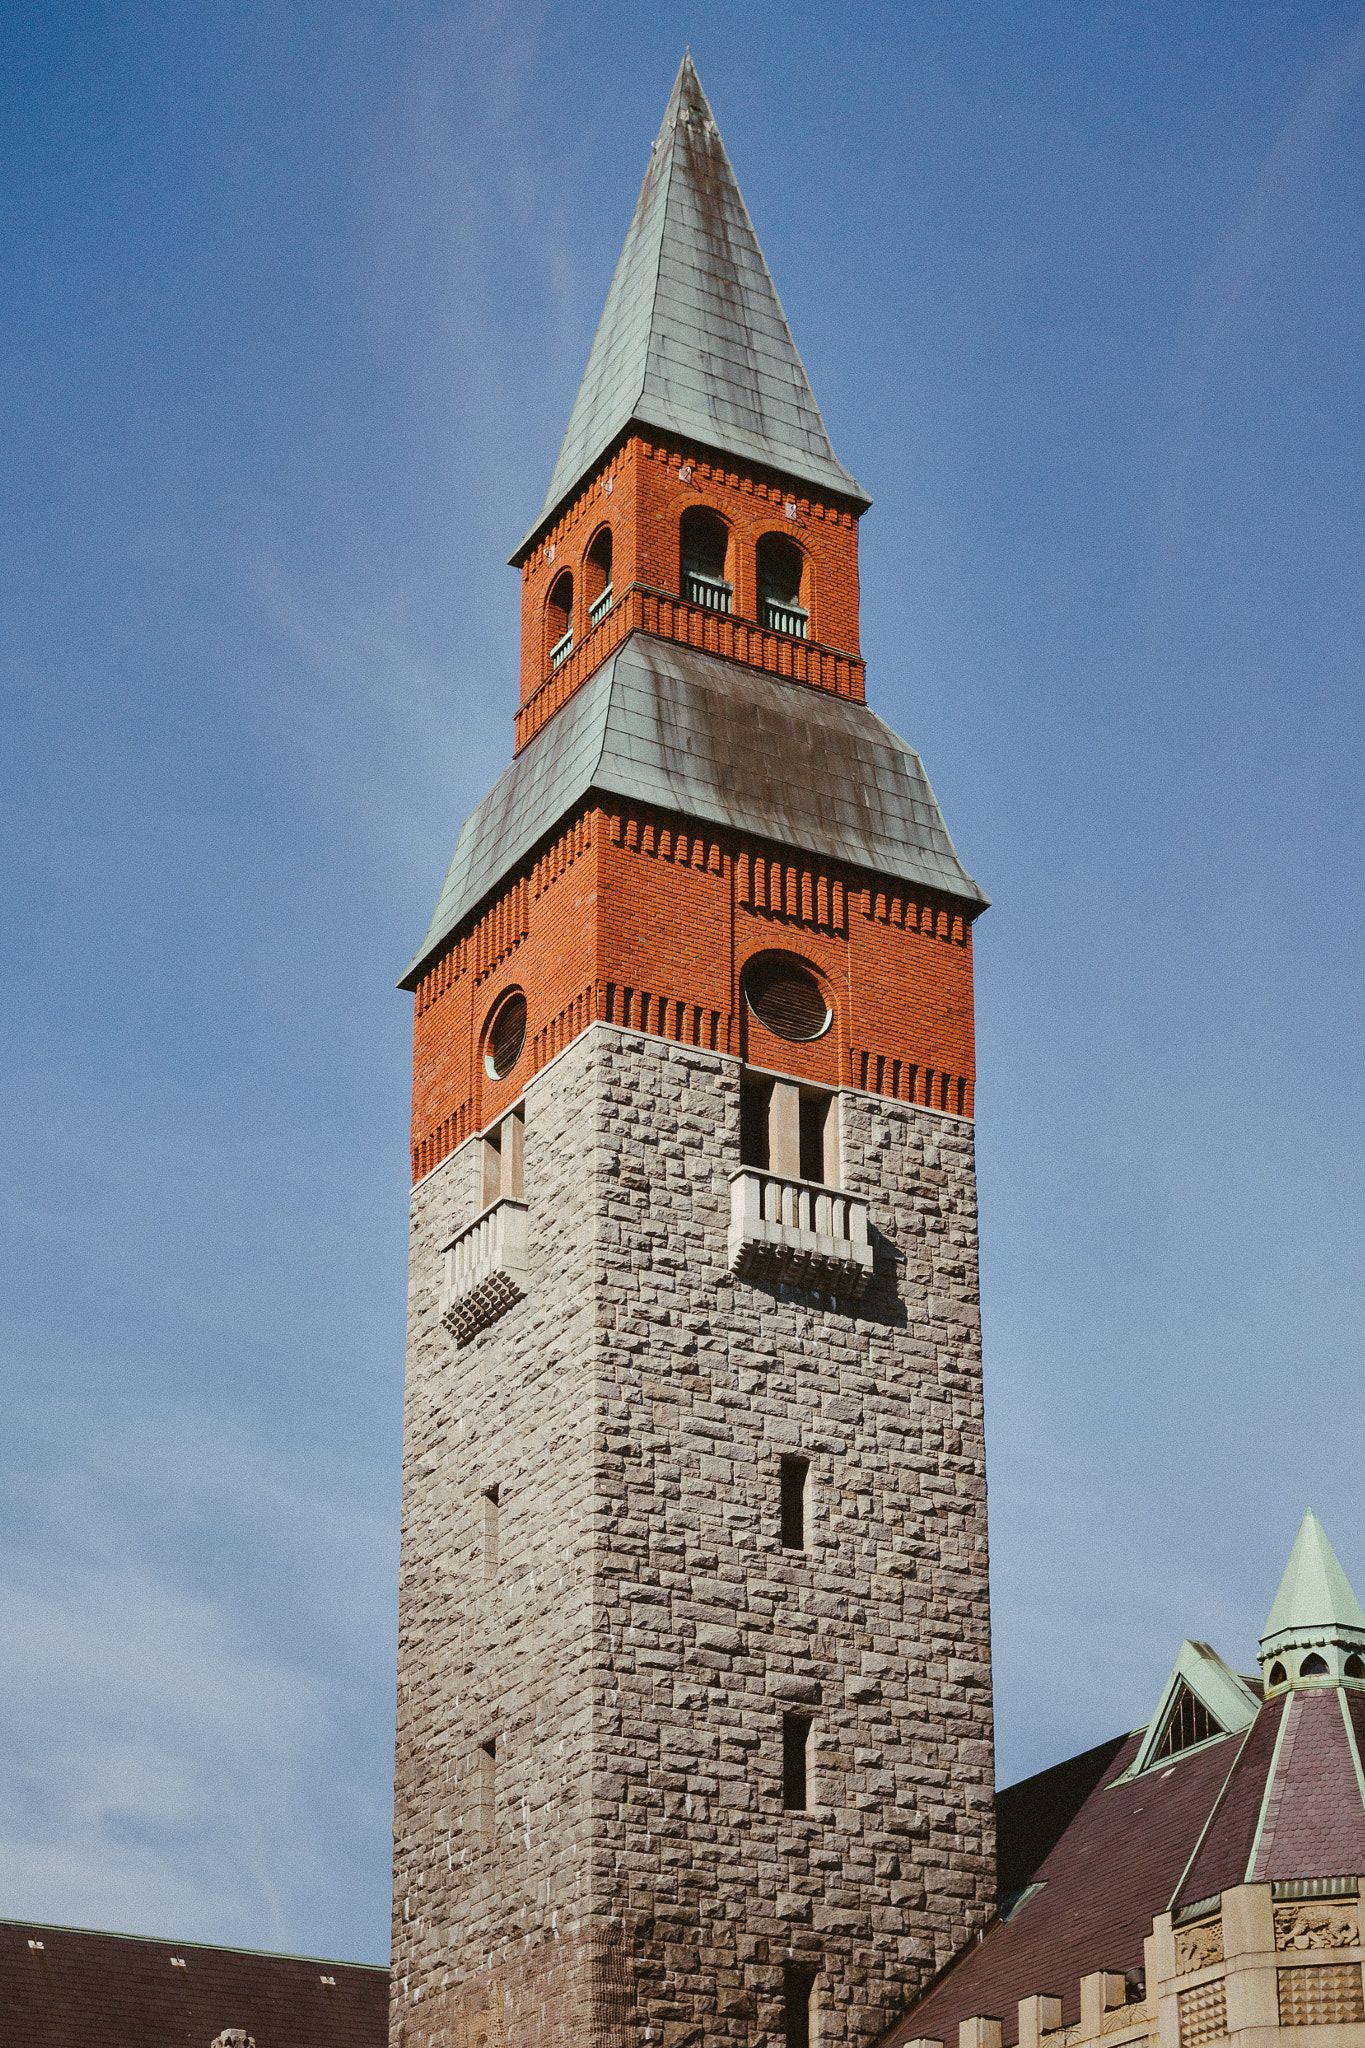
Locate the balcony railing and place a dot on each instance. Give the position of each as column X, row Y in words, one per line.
column 562, row 649
column 485, row 1270
column 784, row 618
column 707, row 591
column 798, row 1233
column 600, row 606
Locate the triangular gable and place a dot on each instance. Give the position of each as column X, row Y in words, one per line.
column 1200, row 1686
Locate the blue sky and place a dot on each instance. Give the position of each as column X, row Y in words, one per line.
column 293, row 305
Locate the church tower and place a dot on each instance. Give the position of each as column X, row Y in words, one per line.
column 694, row 1715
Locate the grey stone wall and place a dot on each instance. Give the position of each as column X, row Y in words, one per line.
column 646, row 1630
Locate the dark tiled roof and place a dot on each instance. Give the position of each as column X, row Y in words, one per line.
column 1032, row 1816
column 1113, row 1869
column 722, row 743
column 62, row 1987
column 1314, row 1822
column 1223, row 1854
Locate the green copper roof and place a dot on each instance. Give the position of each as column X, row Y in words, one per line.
column 693, row 339
column 1315, row 1594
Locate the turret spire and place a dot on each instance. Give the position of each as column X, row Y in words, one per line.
column 693, row 339
column 1316, row 1627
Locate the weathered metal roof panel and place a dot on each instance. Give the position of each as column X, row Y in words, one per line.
column 723, row 744
column 693, row 340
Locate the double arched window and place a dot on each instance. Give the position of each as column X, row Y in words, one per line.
column 705, row 539
column 781, row 566
column 597, row 575
column 559, row 619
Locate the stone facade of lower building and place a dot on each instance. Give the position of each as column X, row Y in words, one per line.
column 610, row 1663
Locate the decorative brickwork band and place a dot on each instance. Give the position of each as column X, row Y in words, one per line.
column 642, row 608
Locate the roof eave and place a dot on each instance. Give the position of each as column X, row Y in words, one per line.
column 844, row 485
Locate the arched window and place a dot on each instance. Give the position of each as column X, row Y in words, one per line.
column 1313, row 1666
column 597, row 571
column 704, row 540
column 780, row 563
column 1278, row 1675
column 1354, row 1667
column 559, row 619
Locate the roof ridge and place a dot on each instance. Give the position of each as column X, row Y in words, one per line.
column 221, row 1948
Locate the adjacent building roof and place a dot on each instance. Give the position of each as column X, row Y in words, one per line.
column 1092, row 1851
column 62, row 1987
column 722, row 743
column 693, row 339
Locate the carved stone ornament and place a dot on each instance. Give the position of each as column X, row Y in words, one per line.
column 1197, row 1947
column 1317, row 1923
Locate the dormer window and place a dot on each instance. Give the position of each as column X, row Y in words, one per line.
column 597, row 570
column 780, row 567
column 559, row 619
column 705, row 538
column 1190, row 1722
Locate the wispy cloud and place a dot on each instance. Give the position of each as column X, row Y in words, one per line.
column 162, row 1746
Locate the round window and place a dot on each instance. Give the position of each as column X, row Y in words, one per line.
column 506, row 1037
column 788, row 999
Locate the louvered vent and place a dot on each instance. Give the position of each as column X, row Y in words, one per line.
column 787, row 1000
column 506, row 1037
column 1190, row 1722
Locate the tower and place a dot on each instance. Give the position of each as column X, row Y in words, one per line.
column 694, row 1723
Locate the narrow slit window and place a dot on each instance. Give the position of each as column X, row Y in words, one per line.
column 488, row 1785
column 754, row 1098
column 490, row 1532
column 798, row 1997
column 814, row 1116
column 795, row 1478
column 795, row 1745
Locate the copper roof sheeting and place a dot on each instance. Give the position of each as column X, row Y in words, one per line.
column 63, row 1987
column 693, row 340
column 726, row 745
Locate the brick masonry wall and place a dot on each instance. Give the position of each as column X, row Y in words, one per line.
column 640, row 917
column 644, row 506
column 647, row 1630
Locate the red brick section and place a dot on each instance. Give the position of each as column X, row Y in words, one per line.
column 61, row 1987
column 1315, row 1822
column 641, row 490
column 1113, row 1869
column 643, row 918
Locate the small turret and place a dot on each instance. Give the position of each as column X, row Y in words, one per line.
column 1315, row 1632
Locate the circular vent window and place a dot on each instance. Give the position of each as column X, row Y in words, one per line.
column 506, row 1037
column 788, row 1000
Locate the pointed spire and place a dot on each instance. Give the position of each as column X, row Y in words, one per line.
column 693, row 339
column 1315, row 1612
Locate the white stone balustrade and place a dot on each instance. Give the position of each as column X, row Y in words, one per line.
column 798, row 1233
column 485, row 1270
